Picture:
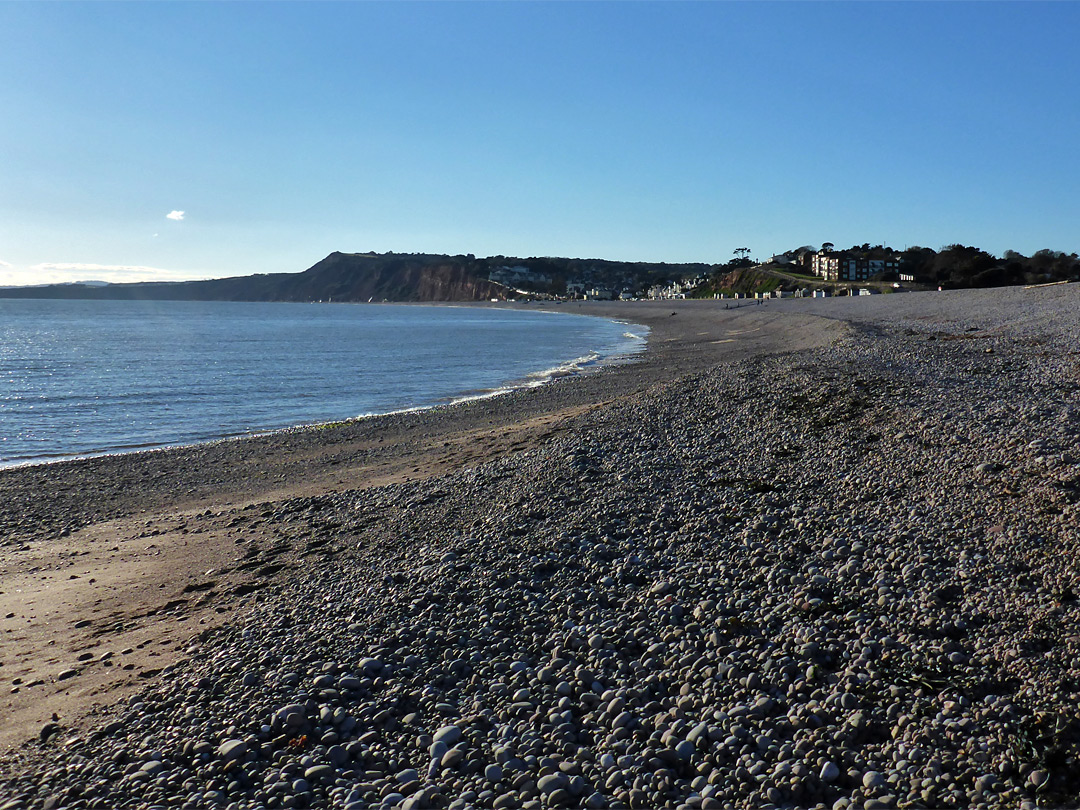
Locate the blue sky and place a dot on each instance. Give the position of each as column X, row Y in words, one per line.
column 638, row 131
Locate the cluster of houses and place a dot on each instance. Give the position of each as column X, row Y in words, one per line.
column 525, row 280
column 827, row 264
column 657, row 292
column 582, row 290
column 677, row 289
column 514, row 277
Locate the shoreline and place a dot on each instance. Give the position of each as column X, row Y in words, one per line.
column 657, row 361
column 740, row 437
column 541, row 376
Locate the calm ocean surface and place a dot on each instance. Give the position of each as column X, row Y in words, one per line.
column 85, row 377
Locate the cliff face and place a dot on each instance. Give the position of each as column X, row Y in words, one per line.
column 338, row 277
column 352, row 277
column 747, row 280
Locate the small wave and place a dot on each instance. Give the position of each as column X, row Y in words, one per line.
column 494, row 392
column 535, row 379
column 563, row 369
column 373, row 414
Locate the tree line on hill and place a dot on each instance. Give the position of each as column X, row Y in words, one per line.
column 959, row 266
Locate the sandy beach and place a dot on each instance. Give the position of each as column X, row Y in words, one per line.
column 807, row 553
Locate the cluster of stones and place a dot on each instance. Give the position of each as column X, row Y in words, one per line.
column 839, row 579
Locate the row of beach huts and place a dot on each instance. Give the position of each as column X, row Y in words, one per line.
column 806, row 293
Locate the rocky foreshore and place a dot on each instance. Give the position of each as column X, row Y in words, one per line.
column 837, row 577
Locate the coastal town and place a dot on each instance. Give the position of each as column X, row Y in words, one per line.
column 805, row 272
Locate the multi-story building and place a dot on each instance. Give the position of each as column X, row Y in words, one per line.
column 845, row 266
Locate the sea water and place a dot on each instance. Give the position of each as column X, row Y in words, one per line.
column 88, row 377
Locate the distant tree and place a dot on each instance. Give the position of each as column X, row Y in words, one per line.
column 1052, row 265
column 1045, row 258
column 827, row 246
column 915, row 261
column 961, row 266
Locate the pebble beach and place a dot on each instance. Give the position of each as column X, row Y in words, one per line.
column 813, row 554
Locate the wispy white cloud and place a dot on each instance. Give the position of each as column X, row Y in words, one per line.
column 4, row 264
column 175, row 215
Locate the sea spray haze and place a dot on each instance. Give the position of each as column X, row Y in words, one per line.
column 83, row 377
